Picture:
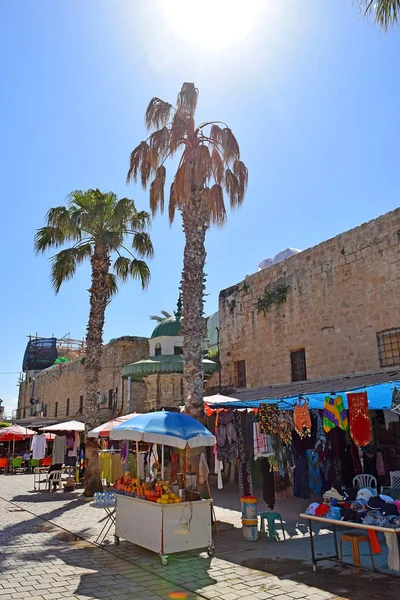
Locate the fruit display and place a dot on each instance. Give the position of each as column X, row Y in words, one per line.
column 156, row 491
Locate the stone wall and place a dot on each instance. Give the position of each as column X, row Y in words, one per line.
column 339, row 295
column 63, row 382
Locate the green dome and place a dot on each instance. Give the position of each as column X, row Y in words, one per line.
column 170, row 327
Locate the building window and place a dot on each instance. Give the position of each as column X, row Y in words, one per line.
column 56, row 409
column 80, row 411
column 178, row 349
column 115, row 399
column 110, row 399
column 240, row 373
column 67, row 408
column 158, row 350
column 389, row 347
column 298, row 364
column 45, row 410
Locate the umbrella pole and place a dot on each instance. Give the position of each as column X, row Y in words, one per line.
column 13, row 445
column 162, row 462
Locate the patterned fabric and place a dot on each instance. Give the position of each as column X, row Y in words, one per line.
column 302, row 419
column 314, row 475
column 360, row 425
column 262, row 442
column 320, row 438
column 335, row 414
column 227, row 448
column 396, row 401
column 269, row 418
column 244, row 475
column 285, row 426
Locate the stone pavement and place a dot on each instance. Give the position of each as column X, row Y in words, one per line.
column 47, row 552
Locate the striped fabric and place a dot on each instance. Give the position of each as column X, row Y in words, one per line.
column 335, row 414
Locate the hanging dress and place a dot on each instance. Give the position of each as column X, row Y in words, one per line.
column 302, row 418
column 335, row 414
column 314, row 475
column 360, row 425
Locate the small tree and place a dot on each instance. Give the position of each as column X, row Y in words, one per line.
column 98, row 226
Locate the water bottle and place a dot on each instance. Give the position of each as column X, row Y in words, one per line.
column 96, row 499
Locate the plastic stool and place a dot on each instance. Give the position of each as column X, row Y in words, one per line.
column 271, row 517
column 355, row 538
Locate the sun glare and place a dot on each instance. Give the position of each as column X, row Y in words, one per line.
column 211, row 25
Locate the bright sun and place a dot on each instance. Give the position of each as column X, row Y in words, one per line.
column 212, row 25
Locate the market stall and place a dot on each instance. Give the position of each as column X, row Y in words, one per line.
column 158, row 515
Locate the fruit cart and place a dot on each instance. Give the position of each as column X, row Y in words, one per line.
column 156, row 519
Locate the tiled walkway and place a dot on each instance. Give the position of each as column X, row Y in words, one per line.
column 47, row 552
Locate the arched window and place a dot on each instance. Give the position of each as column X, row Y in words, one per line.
column 178, row 349
column 158, row 350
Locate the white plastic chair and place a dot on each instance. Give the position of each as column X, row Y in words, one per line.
column 364, row 480
column 53, row 478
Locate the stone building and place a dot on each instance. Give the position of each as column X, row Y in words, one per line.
column 162, row 370
column 58, row 391
column 327, row 311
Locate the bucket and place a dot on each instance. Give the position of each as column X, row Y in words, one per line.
column 249, row 507
column 249, row 529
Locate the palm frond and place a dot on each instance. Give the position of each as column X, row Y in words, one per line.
column 384, row 12
column 49, row 237
column 112, row 285
column 156, row 318
column 63, row 267
column 230, row 145
column 121, row 267
column 158, row 113
column 216, row 206
column 157, row 190
column 187, row 99
column 111, row 240
column 172, row 204
column 159, row 143
column 233, row 188
column 242, row 175
column 122, row 211
column 141, row 242
column 140, row 220
column 142, row 158
column 179, row 130
column 166, row 314
column 183, row 183
column 58, row 217
column 139, row 269
column 217, row 135
column 202, row 166
column 82, row 252
column 217, row 166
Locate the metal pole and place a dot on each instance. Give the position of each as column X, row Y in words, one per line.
column 128, row 399
column 162, row 462
column 219, row 360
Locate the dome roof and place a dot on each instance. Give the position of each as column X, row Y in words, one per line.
column 170, row 327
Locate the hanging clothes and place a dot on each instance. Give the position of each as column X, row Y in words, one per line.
column 227, row 448
column 335, row 414
column 360, row 424
column 59, row 449
column 301, row 487
column 390, row 417
column 269, row 418
column 38, row 446
column 396, row 400
column 320, row 435
column 268, row 482
column 314, row 475
column 244, row 474
column 262, row 442
column 302, row 418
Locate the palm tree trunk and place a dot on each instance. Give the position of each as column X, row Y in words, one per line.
column 100, row 263
column 194, row 216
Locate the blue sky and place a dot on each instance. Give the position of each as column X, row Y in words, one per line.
column 310, row 90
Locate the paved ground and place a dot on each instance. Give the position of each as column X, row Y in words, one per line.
column 47, row 552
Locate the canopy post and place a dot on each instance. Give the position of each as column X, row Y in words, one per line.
column 162, row 462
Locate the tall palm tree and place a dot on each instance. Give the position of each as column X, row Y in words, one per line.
column 209, row 167
column 96, row 226
column 164, row 315
column 384, row 12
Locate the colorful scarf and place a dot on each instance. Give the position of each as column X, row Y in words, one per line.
column 276, row 422
column 360, row 425
column 335, row 414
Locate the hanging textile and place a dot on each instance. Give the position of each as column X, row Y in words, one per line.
column 244, row 474
column 314, row 475
column 390, row 417
column 262, row 443
column 227, row 448
column 335, row 414
column 268, row 482
column 38, row 447
column 360, row 425
column 269, row 418
column 320, row 436
column 396, row 401
column 59, row 447
column 301, row 488
column 302, row 418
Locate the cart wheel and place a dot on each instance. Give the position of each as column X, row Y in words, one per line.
column 116, row 540
column 211, row 551
column 164, row 559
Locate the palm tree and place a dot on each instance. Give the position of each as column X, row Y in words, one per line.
column 159, row 318
column 209, row 167
column 96, row 226
column 384, row 12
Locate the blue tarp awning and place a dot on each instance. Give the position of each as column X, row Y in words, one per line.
column 379, row 398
